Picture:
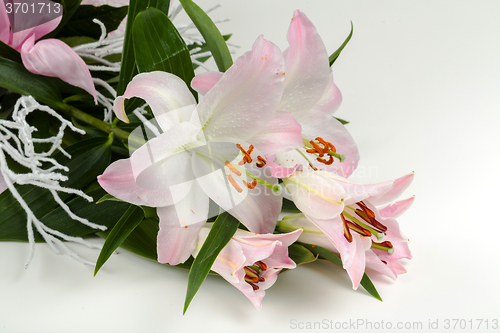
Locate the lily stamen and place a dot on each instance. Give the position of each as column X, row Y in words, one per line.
column 328, row 148
column 347, row 232
column 261, row 265
column 247, row 158
column 232, row 168
column 360, row 230
column 253, row 274
column 316, row 149
column 330, row 160
column 262, row 162
column 250, row 279
column 384, row 246
column 369, row 216
column 253, row 286
column 234, row 183
column 354, row 220
column 250, row 185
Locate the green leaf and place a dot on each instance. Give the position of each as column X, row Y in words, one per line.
column 334, row 258
column 108, row 197
column 81, row 23
column 128, row 69
column 342, row 121
column 324, row 254
column 289, row 205
column 15, row 77
column 142, row 240
column 69, row 9
column 336, row 54
column 215, row 42
column 107, row 214
column 127, row 223
column 8, row 52
column 220, row 234
column 202, row 49
column 300, row 255
column 89, row 159
column 158, row 46
column 369, row 287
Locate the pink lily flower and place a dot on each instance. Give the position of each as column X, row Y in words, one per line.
column 251, row 262
column 203, row 151
column 312, row 97
column 343, row 217
column 48, row 57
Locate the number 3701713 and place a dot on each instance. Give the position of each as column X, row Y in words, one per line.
column 33, row 8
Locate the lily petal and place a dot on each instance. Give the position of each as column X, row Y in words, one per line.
column 397, row 208
column 273, row 248
column 316, row 196
column 164, row 92
column 119, row 181
column 279, row 171
column 148, row 176
column 282, row 133
column 5, row 33
column 307, row 70
column 351, row 253
column 176, row 242
column 315, row 123
column 331, row 99
column 258, row 208
column 51, row 57
column 246, row 97
column 399, row 186
column 373, row 262
column 358, row 191
column 17, row 39
column 202, row 83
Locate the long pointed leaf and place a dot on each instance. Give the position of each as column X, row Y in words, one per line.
column 222, row 230
column 215, row 42
column 127, row 223
column 15, row 77
column 8, row 52
column 300, row 255
column 336, row 54
column 128, row 68
column 158, row 46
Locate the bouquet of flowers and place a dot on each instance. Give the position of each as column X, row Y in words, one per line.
column 241, row 172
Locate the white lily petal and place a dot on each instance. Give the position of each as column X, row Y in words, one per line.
column 164, row 92
column 246, row 97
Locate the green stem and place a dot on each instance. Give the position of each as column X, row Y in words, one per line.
column 99, row 124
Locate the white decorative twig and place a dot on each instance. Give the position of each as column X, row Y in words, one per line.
column 16, row 140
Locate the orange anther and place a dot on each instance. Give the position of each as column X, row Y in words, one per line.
column 247, row 158
column 262, row 162
column 330, row 160
column 234, row 183
column 327, row 146
column 232, row 168
column 250, row 185
column 317, row 149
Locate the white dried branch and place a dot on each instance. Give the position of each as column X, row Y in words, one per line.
column 16, row 141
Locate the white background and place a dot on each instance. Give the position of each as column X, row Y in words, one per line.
column 421, row 82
